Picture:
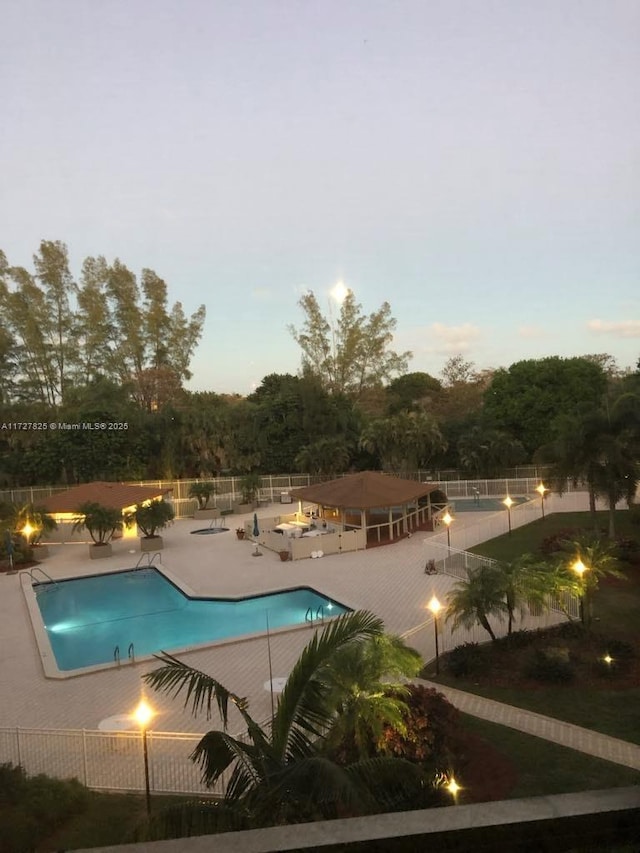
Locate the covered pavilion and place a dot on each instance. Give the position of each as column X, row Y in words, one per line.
column 63, row 507
column 386, row 507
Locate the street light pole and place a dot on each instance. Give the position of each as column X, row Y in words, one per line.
column 447, row 519
column 143, row 715
column 435, row 607
column 508, row 503
column 541, row 489
column 579, row 568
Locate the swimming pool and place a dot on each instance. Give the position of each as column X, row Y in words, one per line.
column 92, row 620
column 483, row 504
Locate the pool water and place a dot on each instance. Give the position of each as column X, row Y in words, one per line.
column 483, row 504
column 87, row 618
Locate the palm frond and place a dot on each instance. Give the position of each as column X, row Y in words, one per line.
column 201, row 688
column 217, row 751
column 303, row 713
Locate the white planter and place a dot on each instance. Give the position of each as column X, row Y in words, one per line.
column 204, row 514
column 97, row 552
column 152, row 543
column 242, row 509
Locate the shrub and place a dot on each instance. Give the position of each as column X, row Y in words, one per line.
column 557, row 542
column 31, row 808
column 628, row 550
column 552, row 665
column 516, row 640
column 432, row 730
column 465, row 660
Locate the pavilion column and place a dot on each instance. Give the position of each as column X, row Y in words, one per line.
column 405, row 526
column 363, row 525
column 390, row 524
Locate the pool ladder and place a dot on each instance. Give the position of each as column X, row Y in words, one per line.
column 319, row 615
column 131, row 654
column 149, row 557
column 42, row 572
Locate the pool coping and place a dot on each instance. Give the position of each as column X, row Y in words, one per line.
column 47, row 656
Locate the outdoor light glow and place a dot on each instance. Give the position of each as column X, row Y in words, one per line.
column 453, row 787
column 27, row 530
column 541, row 490
column 143, row 714
column 339, row 292
column 508, row 502
column 579, row 567
column 607, row 659
column 447, row 519
column 434, row 606
column 329, row 606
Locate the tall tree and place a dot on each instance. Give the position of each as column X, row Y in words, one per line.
column 526, row 398
column 353, row 353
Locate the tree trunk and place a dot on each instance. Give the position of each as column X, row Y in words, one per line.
column 485, row 624
column 592, row 508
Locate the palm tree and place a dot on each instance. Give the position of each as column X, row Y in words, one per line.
column 477, row 598
column 102, row 522
column 403, row 441
column 523, row 583
column 598, row 561
column 278, row 773
column 367, row 688
column 600, row 445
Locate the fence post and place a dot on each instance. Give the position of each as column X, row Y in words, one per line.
column 84, row 757
column 18, row 744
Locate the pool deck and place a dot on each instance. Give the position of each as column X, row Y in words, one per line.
column 389, row 581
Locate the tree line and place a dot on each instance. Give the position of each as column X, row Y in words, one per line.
column 109, row 349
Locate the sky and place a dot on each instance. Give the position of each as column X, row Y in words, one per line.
column 475, row 163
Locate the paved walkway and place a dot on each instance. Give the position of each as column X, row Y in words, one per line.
column 565, row 734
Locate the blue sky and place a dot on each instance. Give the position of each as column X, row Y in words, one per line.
column 473, row 162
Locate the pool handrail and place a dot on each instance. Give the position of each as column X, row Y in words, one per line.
column 150, row 558
column 42, row 572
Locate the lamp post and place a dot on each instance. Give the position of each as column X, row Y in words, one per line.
column 143, row 715
column 508, row 503
column 435, row 607
column 27, row 530
column 541, row 489
column 579, row 568
column 447, row 518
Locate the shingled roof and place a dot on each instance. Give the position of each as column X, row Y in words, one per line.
column 366, row 490
column 115, row 495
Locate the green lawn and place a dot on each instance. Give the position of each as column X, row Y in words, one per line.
column 528, row 539
column 546, row 768
column 616, row 608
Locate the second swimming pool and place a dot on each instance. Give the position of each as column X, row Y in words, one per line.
column 91, row 620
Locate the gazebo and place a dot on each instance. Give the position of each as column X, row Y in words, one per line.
column 386, row 507
column 63, row 506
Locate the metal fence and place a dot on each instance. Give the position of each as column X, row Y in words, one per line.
column 229, row 491
column 108, row 761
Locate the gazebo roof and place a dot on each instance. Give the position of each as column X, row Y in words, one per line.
column 114, row 495
column 365, row 490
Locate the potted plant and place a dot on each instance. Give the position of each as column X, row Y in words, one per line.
column 31, row 522
column 150, row 518
column 284, row 555
column 240, row 532
column 101, row 522
column 249, row 487
column 202, row 492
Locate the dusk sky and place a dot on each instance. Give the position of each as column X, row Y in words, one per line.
column 476, row 163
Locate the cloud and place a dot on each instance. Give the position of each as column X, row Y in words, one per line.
column 443, row 340
column 530, row 332
column 623, row 329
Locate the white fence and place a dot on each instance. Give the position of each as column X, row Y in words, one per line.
column 273, row 486
column 107, row 761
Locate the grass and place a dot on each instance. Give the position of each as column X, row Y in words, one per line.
column 529, row 538
column 109, row 819
column 611, row 708
column 544, row 768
